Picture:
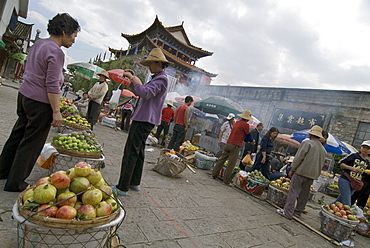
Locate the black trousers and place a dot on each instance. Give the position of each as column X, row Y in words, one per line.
column 178, row 137
column 25, row 142
column 134, row 155
column 125, row 119
column 93, row 113
column 165, row 126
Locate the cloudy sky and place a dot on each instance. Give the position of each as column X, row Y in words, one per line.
column 271, row 43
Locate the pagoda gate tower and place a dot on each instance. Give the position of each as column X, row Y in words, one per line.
column 176, row 46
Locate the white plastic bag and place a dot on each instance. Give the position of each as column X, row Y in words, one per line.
column 151, row 140
column 113, row 102
column 357, row 211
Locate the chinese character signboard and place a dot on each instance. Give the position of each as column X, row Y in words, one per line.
column 297, row 120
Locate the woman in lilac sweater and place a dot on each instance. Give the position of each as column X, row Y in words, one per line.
column 37, row 103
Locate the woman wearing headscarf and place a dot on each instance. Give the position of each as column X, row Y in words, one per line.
column 147, row 114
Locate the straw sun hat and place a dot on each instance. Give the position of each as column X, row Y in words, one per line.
column 316, row 131
column 246, row 115
column 103, row 73
column 290, row 160
column 155, row 55
column 170, row 102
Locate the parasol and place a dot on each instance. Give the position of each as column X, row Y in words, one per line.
column 333, row 144
column 116, row 75
column 85, row 70
column 286, row 139
column 253, row 123
column 218, row 105
column 350, row 147
column 172, row 96
column 127, row 93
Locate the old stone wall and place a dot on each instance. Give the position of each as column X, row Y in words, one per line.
column 343, row 110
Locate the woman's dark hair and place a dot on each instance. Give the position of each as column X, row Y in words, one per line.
column 63, row 22
column 325, row 134
column 273, row 129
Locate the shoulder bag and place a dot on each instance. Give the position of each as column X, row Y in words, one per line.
column 354, row 183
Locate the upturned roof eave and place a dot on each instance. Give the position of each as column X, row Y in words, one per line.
column 135, row 38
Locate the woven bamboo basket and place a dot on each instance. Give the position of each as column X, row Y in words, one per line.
column 279, row 188
column 171, row 167
column 75, row 126
column 74, row 153
column 63, row 223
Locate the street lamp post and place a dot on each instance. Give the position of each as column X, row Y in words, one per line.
column 37, row 36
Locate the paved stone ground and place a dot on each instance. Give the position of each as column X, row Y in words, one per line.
column 191, row 211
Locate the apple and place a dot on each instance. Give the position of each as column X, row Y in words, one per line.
column 27, row 195
column 72, row 173
column 113, row 203
column 346, row 207
column 43, row 180
column 103, row 209
column 47, row 210
column 44, row 193
column 345, row 217
column 63, row 196
column 95, row 176
column 86, row 211
column 351, row 217
column 60, row 179
column 107, row 191
column 78, row 204
column 66, row 212
column 349, row 212
column 338, row 214
column 82, row 169
column 92, row 196
column 100, row 183
column 332, row 206
column 79, row 184
column 343, row 212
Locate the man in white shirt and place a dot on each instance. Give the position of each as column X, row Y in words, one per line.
column 225, row 133
column 96, row 96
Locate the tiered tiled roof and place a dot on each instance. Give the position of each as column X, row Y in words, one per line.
column 177, row 63
column 157, row 30
column 174, row 43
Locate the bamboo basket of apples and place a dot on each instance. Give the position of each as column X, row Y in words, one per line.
column 338, row 221
column 78, row 198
